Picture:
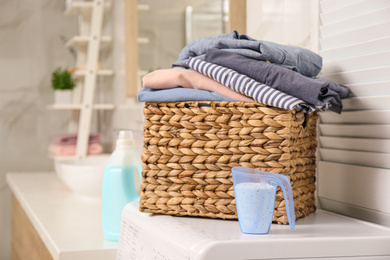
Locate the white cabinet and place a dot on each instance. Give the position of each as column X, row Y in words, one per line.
column 61, row 226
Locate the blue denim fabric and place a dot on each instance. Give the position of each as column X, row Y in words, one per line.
column 178, row 94
column 318, row 92
column 299, row 59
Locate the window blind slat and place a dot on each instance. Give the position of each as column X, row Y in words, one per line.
column 357, row 63
column 332, row 5
column 353, row 10
column 356, row 144
column 365, row 180
column 360, row 49
column 360, row 76
column 369, row 89
column 356, row 130
column 381, row 160
column 367, row 103
column 379, row 117
column 355, row 23
column 356, row 36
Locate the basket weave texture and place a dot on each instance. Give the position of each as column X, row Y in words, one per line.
column 190, row 148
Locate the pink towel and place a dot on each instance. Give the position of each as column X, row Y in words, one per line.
column 66, row 139
column 70, row 149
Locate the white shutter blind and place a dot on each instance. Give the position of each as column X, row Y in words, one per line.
column 354, row 147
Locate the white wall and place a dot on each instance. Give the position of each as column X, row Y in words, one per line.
column 290, row 22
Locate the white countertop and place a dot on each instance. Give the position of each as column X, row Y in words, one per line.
column 70, row 226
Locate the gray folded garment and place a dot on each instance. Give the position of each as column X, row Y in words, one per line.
column 295, row 58
column 319, row 92
column 178, row 94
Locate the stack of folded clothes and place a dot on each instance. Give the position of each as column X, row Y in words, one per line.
column 66, row 145
column 236, row 67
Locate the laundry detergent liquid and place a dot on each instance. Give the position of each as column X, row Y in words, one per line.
column 119, row 185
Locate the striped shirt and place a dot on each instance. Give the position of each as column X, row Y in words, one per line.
column 247, row 86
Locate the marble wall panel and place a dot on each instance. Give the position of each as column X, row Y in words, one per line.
column 30, row 49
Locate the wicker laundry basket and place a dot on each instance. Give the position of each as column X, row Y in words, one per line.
column 190, row 148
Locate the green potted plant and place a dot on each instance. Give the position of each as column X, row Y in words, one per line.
column 63, row 84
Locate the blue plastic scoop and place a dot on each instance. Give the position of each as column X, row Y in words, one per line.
column 255, row 193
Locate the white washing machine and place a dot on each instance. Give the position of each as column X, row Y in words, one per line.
column 320, row 235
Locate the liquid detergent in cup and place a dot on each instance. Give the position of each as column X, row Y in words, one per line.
column 255, row 193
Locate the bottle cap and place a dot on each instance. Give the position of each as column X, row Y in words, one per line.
column 125, row 138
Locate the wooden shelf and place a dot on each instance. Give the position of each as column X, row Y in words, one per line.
column 81, row 40
column 104, row 106
column 142, row 7
column 142, row 72
column 88, row 44
column 143, row 40
column 81, row 8
column 104, row 73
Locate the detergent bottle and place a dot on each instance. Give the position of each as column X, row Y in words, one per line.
column 119, row 186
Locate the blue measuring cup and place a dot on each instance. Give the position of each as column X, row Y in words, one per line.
column 255, row 193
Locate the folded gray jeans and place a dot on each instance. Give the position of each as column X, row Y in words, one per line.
column 298, row 59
